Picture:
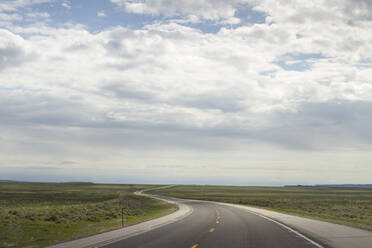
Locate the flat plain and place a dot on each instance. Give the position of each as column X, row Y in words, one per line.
column 348, row 206
column 38, row 214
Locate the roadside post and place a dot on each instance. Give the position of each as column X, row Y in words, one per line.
column 122, row 217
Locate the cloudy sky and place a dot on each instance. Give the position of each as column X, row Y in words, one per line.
column 249, row 92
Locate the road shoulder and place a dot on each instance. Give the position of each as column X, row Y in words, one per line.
column 102, row 239
column 332, row 235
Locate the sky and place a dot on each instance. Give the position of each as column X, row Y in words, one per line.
column 239, row 92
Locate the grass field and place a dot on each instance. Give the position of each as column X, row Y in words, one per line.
column 350, row 206
column 38, row 214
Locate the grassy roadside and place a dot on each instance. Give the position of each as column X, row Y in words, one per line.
column 346, row 206
column 39, row 214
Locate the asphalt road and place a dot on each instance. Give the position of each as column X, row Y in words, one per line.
column 215, row 225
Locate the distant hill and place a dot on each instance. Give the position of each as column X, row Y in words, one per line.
column 77, row 183
column 345, row 185
column 361, row 186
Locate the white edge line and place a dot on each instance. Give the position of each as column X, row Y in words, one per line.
column 288, row 228
column 118, row 239
column 269, row 219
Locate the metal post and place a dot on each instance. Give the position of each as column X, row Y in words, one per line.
column 122, row 217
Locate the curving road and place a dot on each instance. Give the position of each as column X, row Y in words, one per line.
column 210, row 224
column 215, row 225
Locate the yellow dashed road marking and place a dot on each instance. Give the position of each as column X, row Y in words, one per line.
column 194, row 246
column 212, row 229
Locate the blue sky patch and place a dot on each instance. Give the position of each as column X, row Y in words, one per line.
column 99, row 15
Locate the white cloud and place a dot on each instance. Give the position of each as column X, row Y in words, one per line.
column 43, row 15
column 6, row 19
column 231, row 21
column 138, row 8
column 13, row 5
column 101, row 14
column 13, row 13
column 12, row 50
column 66, row 4
column 10, row 17
column 176, row 93
column 181, row 87
column 206, row 9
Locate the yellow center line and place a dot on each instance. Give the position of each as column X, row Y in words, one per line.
column 212, row 229
column 194, row 246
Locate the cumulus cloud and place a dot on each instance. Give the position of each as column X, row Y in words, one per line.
column 12, row 50
column 182, row 93
column 298, row 83
column 207, row 9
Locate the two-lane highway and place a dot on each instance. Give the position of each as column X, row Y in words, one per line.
column 215, row 225
column 198, row 224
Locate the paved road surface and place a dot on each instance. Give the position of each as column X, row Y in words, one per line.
column 214, row 225
column 208, row 224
